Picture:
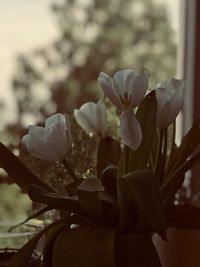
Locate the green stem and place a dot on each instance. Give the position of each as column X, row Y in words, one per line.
column 163, row 157
column 69, row 169
column 170, row 161
column 159, row 153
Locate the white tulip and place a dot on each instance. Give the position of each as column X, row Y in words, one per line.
column 51, row 142
column 92, row 117
column 126, row 90
column 169, row 95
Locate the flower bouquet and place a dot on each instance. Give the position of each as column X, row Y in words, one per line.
column 111, row 217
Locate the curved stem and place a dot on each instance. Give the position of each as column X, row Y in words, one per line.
column 159, row 153
column 170, row 162
column 163, row 157
column 69, row 169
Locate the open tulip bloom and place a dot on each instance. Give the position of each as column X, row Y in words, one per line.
column 51, row 142
column 126, row 90
column 92, row 118
column 137, row 178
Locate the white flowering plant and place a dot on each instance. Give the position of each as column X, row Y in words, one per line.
column 111, row 217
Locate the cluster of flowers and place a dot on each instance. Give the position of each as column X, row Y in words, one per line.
column 125, row 90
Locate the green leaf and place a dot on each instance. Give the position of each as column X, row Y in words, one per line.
column 88, row 195
column 21, row 258
column 175, row 181
column 128, row 214
column 98, row 204
column 146, row 115
column 187, row 147
column 154, row 150
column 85, row 246
column 109, row 180
column 40, row 195
column 19, row 172
column 109, row 151
column 144, row 189
column 135, row 250
column 123, row 166
column 50, row 239
column 72, row 187
column 183, row 216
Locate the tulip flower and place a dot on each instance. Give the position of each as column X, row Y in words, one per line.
column 92, row 117
column 51, row 142
column 126, row 90
column 169, row 96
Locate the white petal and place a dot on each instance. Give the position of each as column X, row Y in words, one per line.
column 140, row 85
column 92, row 117
column 57, row 139
column 101, row 117
column 120, row 81
column 176, row 105
column 68, row 133
column 84, row 122
column 24, row 139
column 58, row 133
column 106, row 83
column 162, row 84
column 36, row 131
column 58, row 117
column 177, row 84
column 169, row 105
column 162, row 96
column 40, row 149
column 130, row 130
column 129, row 81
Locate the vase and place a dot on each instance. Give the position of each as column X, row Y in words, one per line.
column 101, row 246
column 181, row 250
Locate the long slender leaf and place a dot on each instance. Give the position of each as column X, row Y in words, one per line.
column 109, row 180
column 97, row 203
column 40, row 195
column 144, row 189
column 187, row 147
column 32, row 216
column 20, row 258
column 146, row 115
column 128, row 211
column 19, row 172
column 109, row 151
column 154, row 150
column 88, row 195
column 174, row 182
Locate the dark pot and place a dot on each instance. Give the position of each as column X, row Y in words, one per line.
column 99, row 246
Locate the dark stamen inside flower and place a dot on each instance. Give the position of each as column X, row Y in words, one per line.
column 125, row 100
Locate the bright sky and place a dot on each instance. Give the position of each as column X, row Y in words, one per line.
column 25, row 25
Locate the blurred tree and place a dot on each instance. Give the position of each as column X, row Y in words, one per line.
column 94, row 36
